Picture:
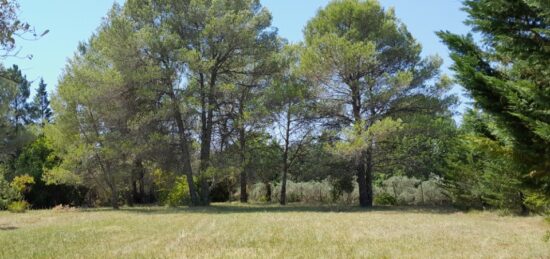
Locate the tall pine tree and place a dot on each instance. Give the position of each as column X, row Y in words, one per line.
column 508, row 77
column 41, row 104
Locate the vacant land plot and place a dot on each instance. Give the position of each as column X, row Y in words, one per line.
column 235, row 231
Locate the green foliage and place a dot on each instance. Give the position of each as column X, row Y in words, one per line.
column 370, row 67
column 341, row 184
column 482, row 172
column 412, row 191
column 7, row 193
column 18, row 206
column 41, row 104
column 15, row 114
column 508, row 79
column 10, row 26
column 179, row 195
column 303, row 192
column 385, row 199
column 22, row 183
column 357, row 140
column 537, row 202
column 171, row 190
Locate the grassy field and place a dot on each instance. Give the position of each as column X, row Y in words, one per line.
column 233, row 231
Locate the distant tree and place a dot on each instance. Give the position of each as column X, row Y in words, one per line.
column 292, row 98
column 14, row 114
column 41, row 104
column 371, row 69
column 508, row 79
column 19, row 105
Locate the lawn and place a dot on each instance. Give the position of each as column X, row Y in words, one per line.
column 234, row 231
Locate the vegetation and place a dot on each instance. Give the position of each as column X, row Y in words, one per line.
column 192, row 102
column 209, row 93
column 269, row 231
column 508, row 137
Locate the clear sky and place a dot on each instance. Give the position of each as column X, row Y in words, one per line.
column 72, row 21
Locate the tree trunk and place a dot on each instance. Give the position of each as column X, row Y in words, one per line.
column 524, row 210
column 133, row 196
column 364, row 165
column 207, row 114
column 283, row 185
column 243, row 175
column 114, row 189
column 422, row 192
column 114, row 198
column 285, row 158
column 268, row 191
column 362, row 184
column 184, row 148
column 369, row 177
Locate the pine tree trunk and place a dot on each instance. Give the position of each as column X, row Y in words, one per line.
column 268, row 191
column 369, row 178
column 184, row 148
column 283, row 186
column 362, row 184
column 243, row 175
column 285, row 158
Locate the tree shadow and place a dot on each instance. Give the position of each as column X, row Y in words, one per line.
column 7, row 228
column 230, row 208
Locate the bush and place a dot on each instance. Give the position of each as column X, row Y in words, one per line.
column 402, row 190
column 385, row 199
column 18, row 206
column 307, row 192
column 538, row 203
column 7, row 193
column 171, row 190
column 179, row 195
column 411, row 191
column 22, row 183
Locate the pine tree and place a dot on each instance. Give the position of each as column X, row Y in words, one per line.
column 20, row 109
column 370, row 69
column 508, row 77
column 41, row 104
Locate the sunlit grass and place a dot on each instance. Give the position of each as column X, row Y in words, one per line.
column 234, row 231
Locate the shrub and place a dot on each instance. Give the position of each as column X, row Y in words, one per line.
column 402, row 190
column 171, row 190
column 411, row 191
column 385, row 199
column 307, row 192
column 538, row 203
column 179, row 195
column 22, row 183
column 7, row 193
column 18, row 206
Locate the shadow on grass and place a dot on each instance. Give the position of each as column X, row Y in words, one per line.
column 230, row 208
column 7, row 228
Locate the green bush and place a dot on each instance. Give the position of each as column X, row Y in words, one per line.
column 538, row 203
column 411, row 191
column 179, row 195
column 18, row 206
column 385, row 199
column 7, row 193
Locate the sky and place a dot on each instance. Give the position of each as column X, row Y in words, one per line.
column 73, row 21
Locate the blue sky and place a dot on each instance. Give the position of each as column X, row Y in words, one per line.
column 72, row 21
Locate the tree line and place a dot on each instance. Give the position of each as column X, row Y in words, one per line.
column 193, row 102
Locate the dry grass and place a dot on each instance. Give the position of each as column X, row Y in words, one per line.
column 233, row 231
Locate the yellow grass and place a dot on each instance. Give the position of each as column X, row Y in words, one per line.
column 234, row 231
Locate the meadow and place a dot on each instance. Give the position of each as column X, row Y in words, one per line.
column 269, row 231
